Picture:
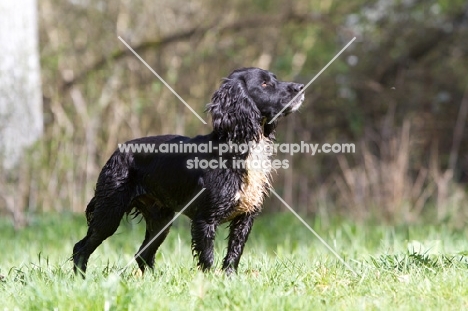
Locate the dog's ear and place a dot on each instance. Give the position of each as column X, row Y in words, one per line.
column 235, row 116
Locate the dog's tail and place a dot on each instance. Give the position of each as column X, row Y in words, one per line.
column 114, row 189
column 90, row 210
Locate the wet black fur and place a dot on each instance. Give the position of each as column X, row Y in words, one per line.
column 159, row 185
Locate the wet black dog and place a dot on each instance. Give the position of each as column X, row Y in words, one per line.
column 158, row 185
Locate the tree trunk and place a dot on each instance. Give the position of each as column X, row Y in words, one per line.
column 21, row 121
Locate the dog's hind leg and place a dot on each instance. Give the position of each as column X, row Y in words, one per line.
column 104, row 215
column 157, row 228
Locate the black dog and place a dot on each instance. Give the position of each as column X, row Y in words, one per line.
column 158, row 185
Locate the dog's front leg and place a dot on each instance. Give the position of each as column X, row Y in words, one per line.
column 239, row 230
column 203, row 235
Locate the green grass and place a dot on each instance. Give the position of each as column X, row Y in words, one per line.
column 284, row 267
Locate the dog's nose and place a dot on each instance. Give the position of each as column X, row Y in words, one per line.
column 296, row 87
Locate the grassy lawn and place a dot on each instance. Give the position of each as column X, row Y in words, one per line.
column 284, row 267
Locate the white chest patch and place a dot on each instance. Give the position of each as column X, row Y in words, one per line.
column 257, row 181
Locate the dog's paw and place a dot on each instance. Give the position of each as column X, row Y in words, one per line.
column 230, row 271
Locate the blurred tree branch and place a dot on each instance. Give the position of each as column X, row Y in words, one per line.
column 423, row 44
column 239, row 25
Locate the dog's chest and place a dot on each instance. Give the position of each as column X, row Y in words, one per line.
column 257, row 180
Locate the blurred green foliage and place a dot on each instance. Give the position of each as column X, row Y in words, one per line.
column 408, row 64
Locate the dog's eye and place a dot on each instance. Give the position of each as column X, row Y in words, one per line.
column 264, row 84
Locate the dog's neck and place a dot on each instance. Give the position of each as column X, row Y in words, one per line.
column 259, row 129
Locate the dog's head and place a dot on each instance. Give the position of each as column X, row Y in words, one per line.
column 248, row 100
